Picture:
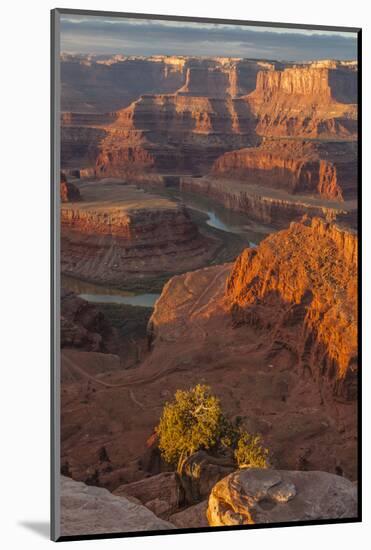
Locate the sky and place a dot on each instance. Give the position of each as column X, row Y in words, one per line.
column 101, row 35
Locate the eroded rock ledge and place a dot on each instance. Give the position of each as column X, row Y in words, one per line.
column 118, row 231
column 269, row 496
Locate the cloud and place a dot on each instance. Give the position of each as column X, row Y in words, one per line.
column 101, row 35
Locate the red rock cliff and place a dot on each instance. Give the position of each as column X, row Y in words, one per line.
column 300, row 284
column 297, row 166
column 310, row 101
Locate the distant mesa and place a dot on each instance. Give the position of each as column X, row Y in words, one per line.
column 184, row 113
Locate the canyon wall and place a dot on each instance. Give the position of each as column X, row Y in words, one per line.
column 326, row 169
column 301, row 286
column 178, row 133
column 185, row 112
column 100, row 84
column 118, row 234
column 270, row 206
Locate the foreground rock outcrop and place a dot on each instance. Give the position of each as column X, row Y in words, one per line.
column 301, row 286
column 87, row 510
column 269, row 496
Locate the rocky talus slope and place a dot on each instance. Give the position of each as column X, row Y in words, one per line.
column 251, row 496
column 82, row 325
column 87, row 510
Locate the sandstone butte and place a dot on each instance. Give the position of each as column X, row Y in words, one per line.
column 301, row 285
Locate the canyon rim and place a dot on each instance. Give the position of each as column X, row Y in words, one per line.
column 207, row 186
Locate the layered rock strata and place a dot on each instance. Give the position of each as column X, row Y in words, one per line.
column 306, row 101
column 177, row 132
column 119, row 231
column 272, row 206
column 68, row 191
column 218, row 105
column 301, row 285
column 328, row 170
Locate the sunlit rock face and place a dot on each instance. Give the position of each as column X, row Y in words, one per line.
column 297, row 166
column 307, row 101
column 252, row 495
column 301, row 285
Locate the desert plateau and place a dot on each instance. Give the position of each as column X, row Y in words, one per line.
column 209, row 286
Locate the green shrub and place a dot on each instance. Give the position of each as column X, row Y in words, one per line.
column 191, row 422
column 194, row 420
column 250, row 453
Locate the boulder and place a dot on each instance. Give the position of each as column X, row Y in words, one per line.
column 87, row 510
column 191, row 517
column 161, row 493
column 270, row 496
column 200, row 472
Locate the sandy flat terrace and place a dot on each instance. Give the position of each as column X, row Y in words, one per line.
column 107, row 196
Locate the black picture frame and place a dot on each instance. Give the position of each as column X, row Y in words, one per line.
column 55, row 270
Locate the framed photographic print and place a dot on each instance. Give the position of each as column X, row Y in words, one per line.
column 205, row 274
